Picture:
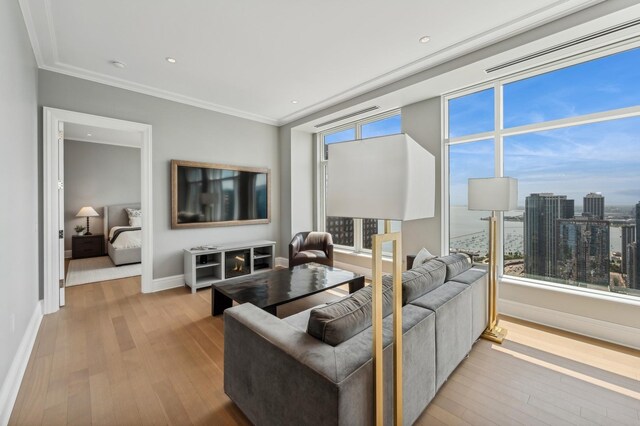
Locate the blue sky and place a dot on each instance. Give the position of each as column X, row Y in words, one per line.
column 601, row 157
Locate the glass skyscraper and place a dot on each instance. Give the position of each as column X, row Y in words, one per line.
column 540, row 236
column 593, row 205
column 583, row 251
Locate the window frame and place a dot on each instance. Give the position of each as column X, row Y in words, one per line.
column 499, row 133
column 321, row 178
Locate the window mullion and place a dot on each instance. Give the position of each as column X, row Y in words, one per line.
column 499, row 164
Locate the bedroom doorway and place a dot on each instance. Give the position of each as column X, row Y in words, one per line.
column 125, row 138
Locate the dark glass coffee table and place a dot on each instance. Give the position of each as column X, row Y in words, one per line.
column 267, row 290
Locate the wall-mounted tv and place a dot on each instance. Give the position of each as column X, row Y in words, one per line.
column 204, row 194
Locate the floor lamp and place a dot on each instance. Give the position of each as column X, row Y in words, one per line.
column 388, row 178
column 493, row 194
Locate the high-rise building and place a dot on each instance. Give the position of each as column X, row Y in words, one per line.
column 628, row 234
column 369, row 229
column 341, row 229
column 632, row 267
column 593, row 205
column 540, row 235
column 583, row 250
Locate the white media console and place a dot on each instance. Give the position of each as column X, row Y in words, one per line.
column 208, row 264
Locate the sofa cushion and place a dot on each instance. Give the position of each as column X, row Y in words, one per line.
column 336, row 322
column 477, row 280
column 456, row 264
column 453, row 307
column 311, row 254
column 420, row 280
column 470, row 276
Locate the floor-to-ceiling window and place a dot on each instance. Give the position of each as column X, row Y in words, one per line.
column 571, row 136
column 349, row 233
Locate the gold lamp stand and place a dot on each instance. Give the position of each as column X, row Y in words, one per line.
column 493, row 332
column 377, row 241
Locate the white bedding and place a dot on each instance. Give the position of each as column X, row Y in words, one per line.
column 131, row 239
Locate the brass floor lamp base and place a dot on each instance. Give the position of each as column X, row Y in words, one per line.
column 493, row 332
column 496, row 335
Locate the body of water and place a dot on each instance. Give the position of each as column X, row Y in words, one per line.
column 469, row 232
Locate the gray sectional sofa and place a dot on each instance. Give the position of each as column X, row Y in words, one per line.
column 315, row 367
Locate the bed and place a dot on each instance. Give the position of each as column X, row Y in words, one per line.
column 124, row 242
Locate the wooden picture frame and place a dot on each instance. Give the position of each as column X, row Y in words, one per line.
column 174, row 195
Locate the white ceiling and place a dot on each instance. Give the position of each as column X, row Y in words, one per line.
column 252, row 58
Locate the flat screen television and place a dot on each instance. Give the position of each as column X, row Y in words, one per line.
column 204, row 194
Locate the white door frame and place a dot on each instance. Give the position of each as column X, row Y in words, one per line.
column 51, row 119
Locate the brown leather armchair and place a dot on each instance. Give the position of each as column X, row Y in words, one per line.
column 306, row 247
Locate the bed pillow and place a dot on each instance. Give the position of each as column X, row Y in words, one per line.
column 135, row 217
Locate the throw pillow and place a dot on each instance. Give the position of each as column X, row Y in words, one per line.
column 134, row 213
column 136, row 222
column 337, row 322
column 422, row 257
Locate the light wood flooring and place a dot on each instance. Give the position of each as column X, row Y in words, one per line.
column 114, row 356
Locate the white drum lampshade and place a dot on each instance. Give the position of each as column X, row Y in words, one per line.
column 493, row 194
column 388, row 177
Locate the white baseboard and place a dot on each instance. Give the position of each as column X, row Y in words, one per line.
column 601, row 330
column 166, row 283
column 67, row 254
column 282, row 262
column 13, row 380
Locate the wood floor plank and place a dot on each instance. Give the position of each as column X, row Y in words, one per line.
column 114, row 356
column 102, row 410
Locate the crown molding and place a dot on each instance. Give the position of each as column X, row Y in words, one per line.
column 155, row 92
column 31, row 31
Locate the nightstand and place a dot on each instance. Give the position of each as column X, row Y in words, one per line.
column 87, row 246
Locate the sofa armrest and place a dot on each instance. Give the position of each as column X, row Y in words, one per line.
column 268, row 363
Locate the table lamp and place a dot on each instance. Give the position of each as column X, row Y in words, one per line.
column 87, row 212
column 493, row 194
column 388, row 178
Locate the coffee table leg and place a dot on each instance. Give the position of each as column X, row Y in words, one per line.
column 356, row 284
column 219, row 302
column 273, row 310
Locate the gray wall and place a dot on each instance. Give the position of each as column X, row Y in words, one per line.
column 97, row 175
column 18, row 184
column 303, row 170
column 285, row 191
column 422, row 121
column 179, row 132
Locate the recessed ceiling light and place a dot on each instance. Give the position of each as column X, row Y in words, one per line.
column 118, row 64
column 294, row 101
column 89, row 134
column 424, row 39
column 171, row 60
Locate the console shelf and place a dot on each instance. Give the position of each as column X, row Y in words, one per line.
column 203, row 267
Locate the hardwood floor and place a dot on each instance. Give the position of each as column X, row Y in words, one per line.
column 114, row 356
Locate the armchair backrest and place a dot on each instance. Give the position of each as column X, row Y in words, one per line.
column 317, row 241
